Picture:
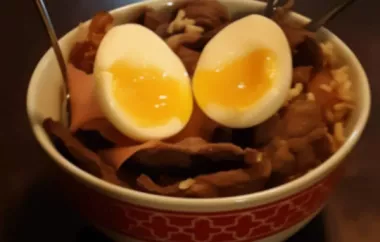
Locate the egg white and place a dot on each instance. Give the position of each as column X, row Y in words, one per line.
column 236, row 40
column 139, row 46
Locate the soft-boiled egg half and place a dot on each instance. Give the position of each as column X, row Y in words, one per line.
column 142, row 86
column 244, row 73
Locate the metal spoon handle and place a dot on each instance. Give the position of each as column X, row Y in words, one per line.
column 272, row 5
column 314, row 25
column 65, row 110
column 269, row 9
column 53, row 38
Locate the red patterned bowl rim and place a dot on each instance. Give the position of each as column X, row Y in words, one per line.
column 328, row 181
column 302, row 206
column 218, row 203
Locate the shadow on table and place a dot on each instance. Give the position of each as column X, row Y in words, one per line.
column 313, row 232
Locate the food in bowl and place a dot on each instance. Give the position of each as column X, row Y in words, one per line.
column 262, row 108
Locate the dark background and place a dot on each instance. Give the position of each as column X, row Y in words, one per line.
column 33, row 209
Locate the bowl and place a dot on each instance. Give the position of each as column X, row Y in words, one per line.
column 128, row 215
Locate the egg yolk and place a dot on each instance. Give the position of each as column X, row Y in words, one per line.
column 236, row 84
column 148, row 95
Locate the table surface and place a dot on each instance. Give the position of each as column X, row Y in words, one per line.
column 32, row 209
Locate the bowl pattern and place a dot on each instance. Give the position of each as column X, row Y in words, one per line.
column 147, row 224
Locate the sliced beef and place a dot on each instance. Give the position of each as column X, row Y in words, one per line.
column 265, row 132
column 108, row 132
column 300, row 118
column 292, row 148
column 199, row 125
column 162, row 30
column 82, row 56
column 176, row 41
column 208, row 14
column 294, row 32
column 296, row 155
column 145, row 183
column 296, row 35
column 282, row 159
column 320, row 86
column 93, row 140
column 81, row 155
column 83, row 103
column 302, row 74
column 219, row 184
column 86, row 114
column 99, row 26
column 308, row 53
column 222, row 135
column 159, row 154
column 189, row 58
column 153, row 19
column 206, row 37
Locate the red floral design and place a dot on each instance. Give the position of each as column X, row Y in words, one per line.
column 250, row 224
column 264, row 229
column 243, row 226
column 160, row 227
column 203, row 230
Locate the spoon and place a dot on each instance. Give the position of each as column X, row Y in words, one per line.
column 272, row 5
column 309, row 52
column 269, row 9
column 65, row 115
column 314, row 25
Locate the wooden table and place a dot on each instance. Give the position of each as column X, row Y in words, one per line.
column 31, row 209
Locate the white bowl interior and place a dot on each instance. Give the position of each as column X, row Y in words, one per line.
column 44, row 101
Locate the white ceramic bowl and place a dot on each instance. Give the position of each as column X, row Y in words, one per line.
column 128, row 215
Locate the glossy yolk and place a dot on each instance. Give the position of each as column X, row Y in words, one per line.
column 149, row 96
column 237, row 84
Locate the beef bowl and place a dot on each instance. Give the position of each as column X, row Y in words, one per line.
column 276, row 177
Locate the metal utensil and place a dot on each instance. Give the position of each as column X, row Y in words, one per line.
column 61, row 61
column 269, row 9
column 272, row 5
column 309, row 52
column 314, row 25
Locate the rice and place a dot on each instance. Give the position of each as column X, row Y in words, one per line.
column 339, row 132
column 328, row 52
column 343, row 106
column 181, row 22
column 330, row 116
column 343, row 84
column 259, row 157
column 193, row 28
column 340, row 115
column 325, row 87
column 295, row 91
column 341, row 74
column 332, row 142
column 310, row 96
column 342, row 87
column 186, row 184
